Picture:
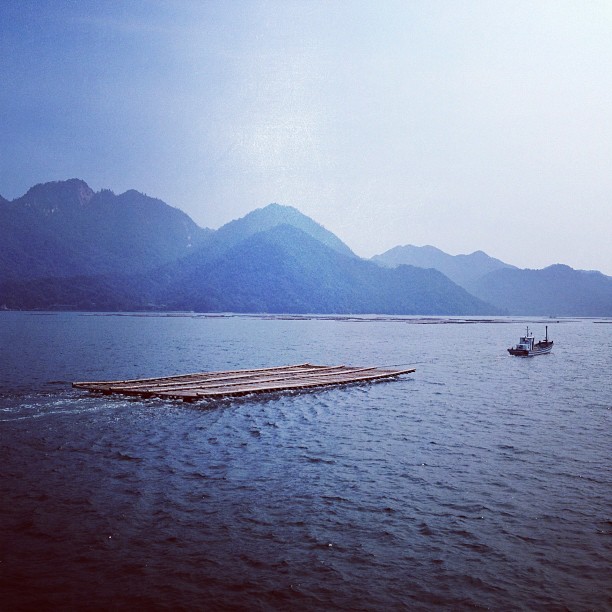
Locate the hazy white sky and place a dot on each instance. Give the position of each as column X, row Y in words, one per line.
column 462, row 124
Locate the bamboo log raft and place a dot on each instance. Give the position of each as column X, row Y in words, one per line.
column 216, row 385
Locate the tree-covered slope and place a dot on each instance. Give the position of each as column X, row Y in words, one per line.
column 461, row 269
column 286, row 270
column 64, row 229
column 554, row 291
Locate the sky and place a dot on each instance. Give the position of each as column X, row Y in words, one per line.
column 467, row 125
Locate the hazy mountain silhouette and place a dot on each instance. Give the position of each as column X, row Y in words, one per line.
column 462, row 269
column 554, row 291
column 62, row 246
column 260, row 220
column 284, row 269
column 64, row 229
column 271, row 216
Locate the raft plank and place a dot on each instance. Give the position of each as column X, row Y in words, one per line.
column 211, row 378
column 298, row 385
column 233, row 383
column 86, row 384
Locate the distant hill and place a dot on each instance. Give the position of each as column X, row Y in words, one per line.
column 554, row 291
column 284, row 269
column 462, row 269
column 260, row 220
column 64, row 229
column 281, row 270
column 271, row 216
column 90, row 293
column 63, row 246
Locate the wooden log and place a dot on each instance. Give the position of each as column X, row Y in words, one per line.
column 223, row 382
column 233, row 383
column 86, row 384
column 206, row 379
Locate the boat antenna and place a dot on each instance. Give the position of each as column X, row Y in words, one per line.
column 547, row 333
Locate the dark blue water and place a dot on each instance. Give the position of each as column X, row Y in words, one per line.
column 482, row 481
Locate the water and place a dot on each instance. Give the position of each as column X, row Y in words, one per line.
column 482, row 481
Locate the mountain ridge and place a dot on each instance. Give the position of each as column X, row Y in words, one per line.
column 64, row 228
column 274, row 214
column 324, row 281
column 62, row 245
column 557, row 290
column 462, row 269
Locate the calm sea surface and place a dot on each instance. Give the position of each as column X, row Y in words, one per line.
column 481, row 481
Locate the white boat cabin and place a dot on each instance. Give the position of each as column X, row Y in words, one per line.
column 526, row 342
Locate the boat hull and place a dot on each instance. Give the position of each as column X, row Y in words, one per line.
column 544, row 349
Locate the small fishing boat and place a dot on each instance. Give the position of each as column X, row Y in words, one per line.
column 528, row 347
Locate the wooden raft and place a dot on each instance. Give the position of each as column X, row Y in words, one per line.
column 215, row 385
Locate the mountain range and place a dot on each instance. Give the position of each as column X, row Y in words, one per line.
column 557, row 290
column 461, row 269
column 64, row 229
column 63, row 246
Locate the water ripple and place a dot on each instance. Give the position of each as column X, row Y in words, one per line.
column 482, row 482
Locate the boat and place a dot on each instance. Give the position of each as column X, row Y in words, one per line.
column 528, row 347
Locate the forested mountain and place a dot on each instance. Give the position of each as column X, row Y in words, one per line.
column 462, row 269
column 64, row 229
column 62, row 246
column 285, row 269
column 271, row 216
column 554, row 291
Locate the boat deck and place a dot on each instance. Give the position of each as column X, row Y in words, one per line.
column 234, row 383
